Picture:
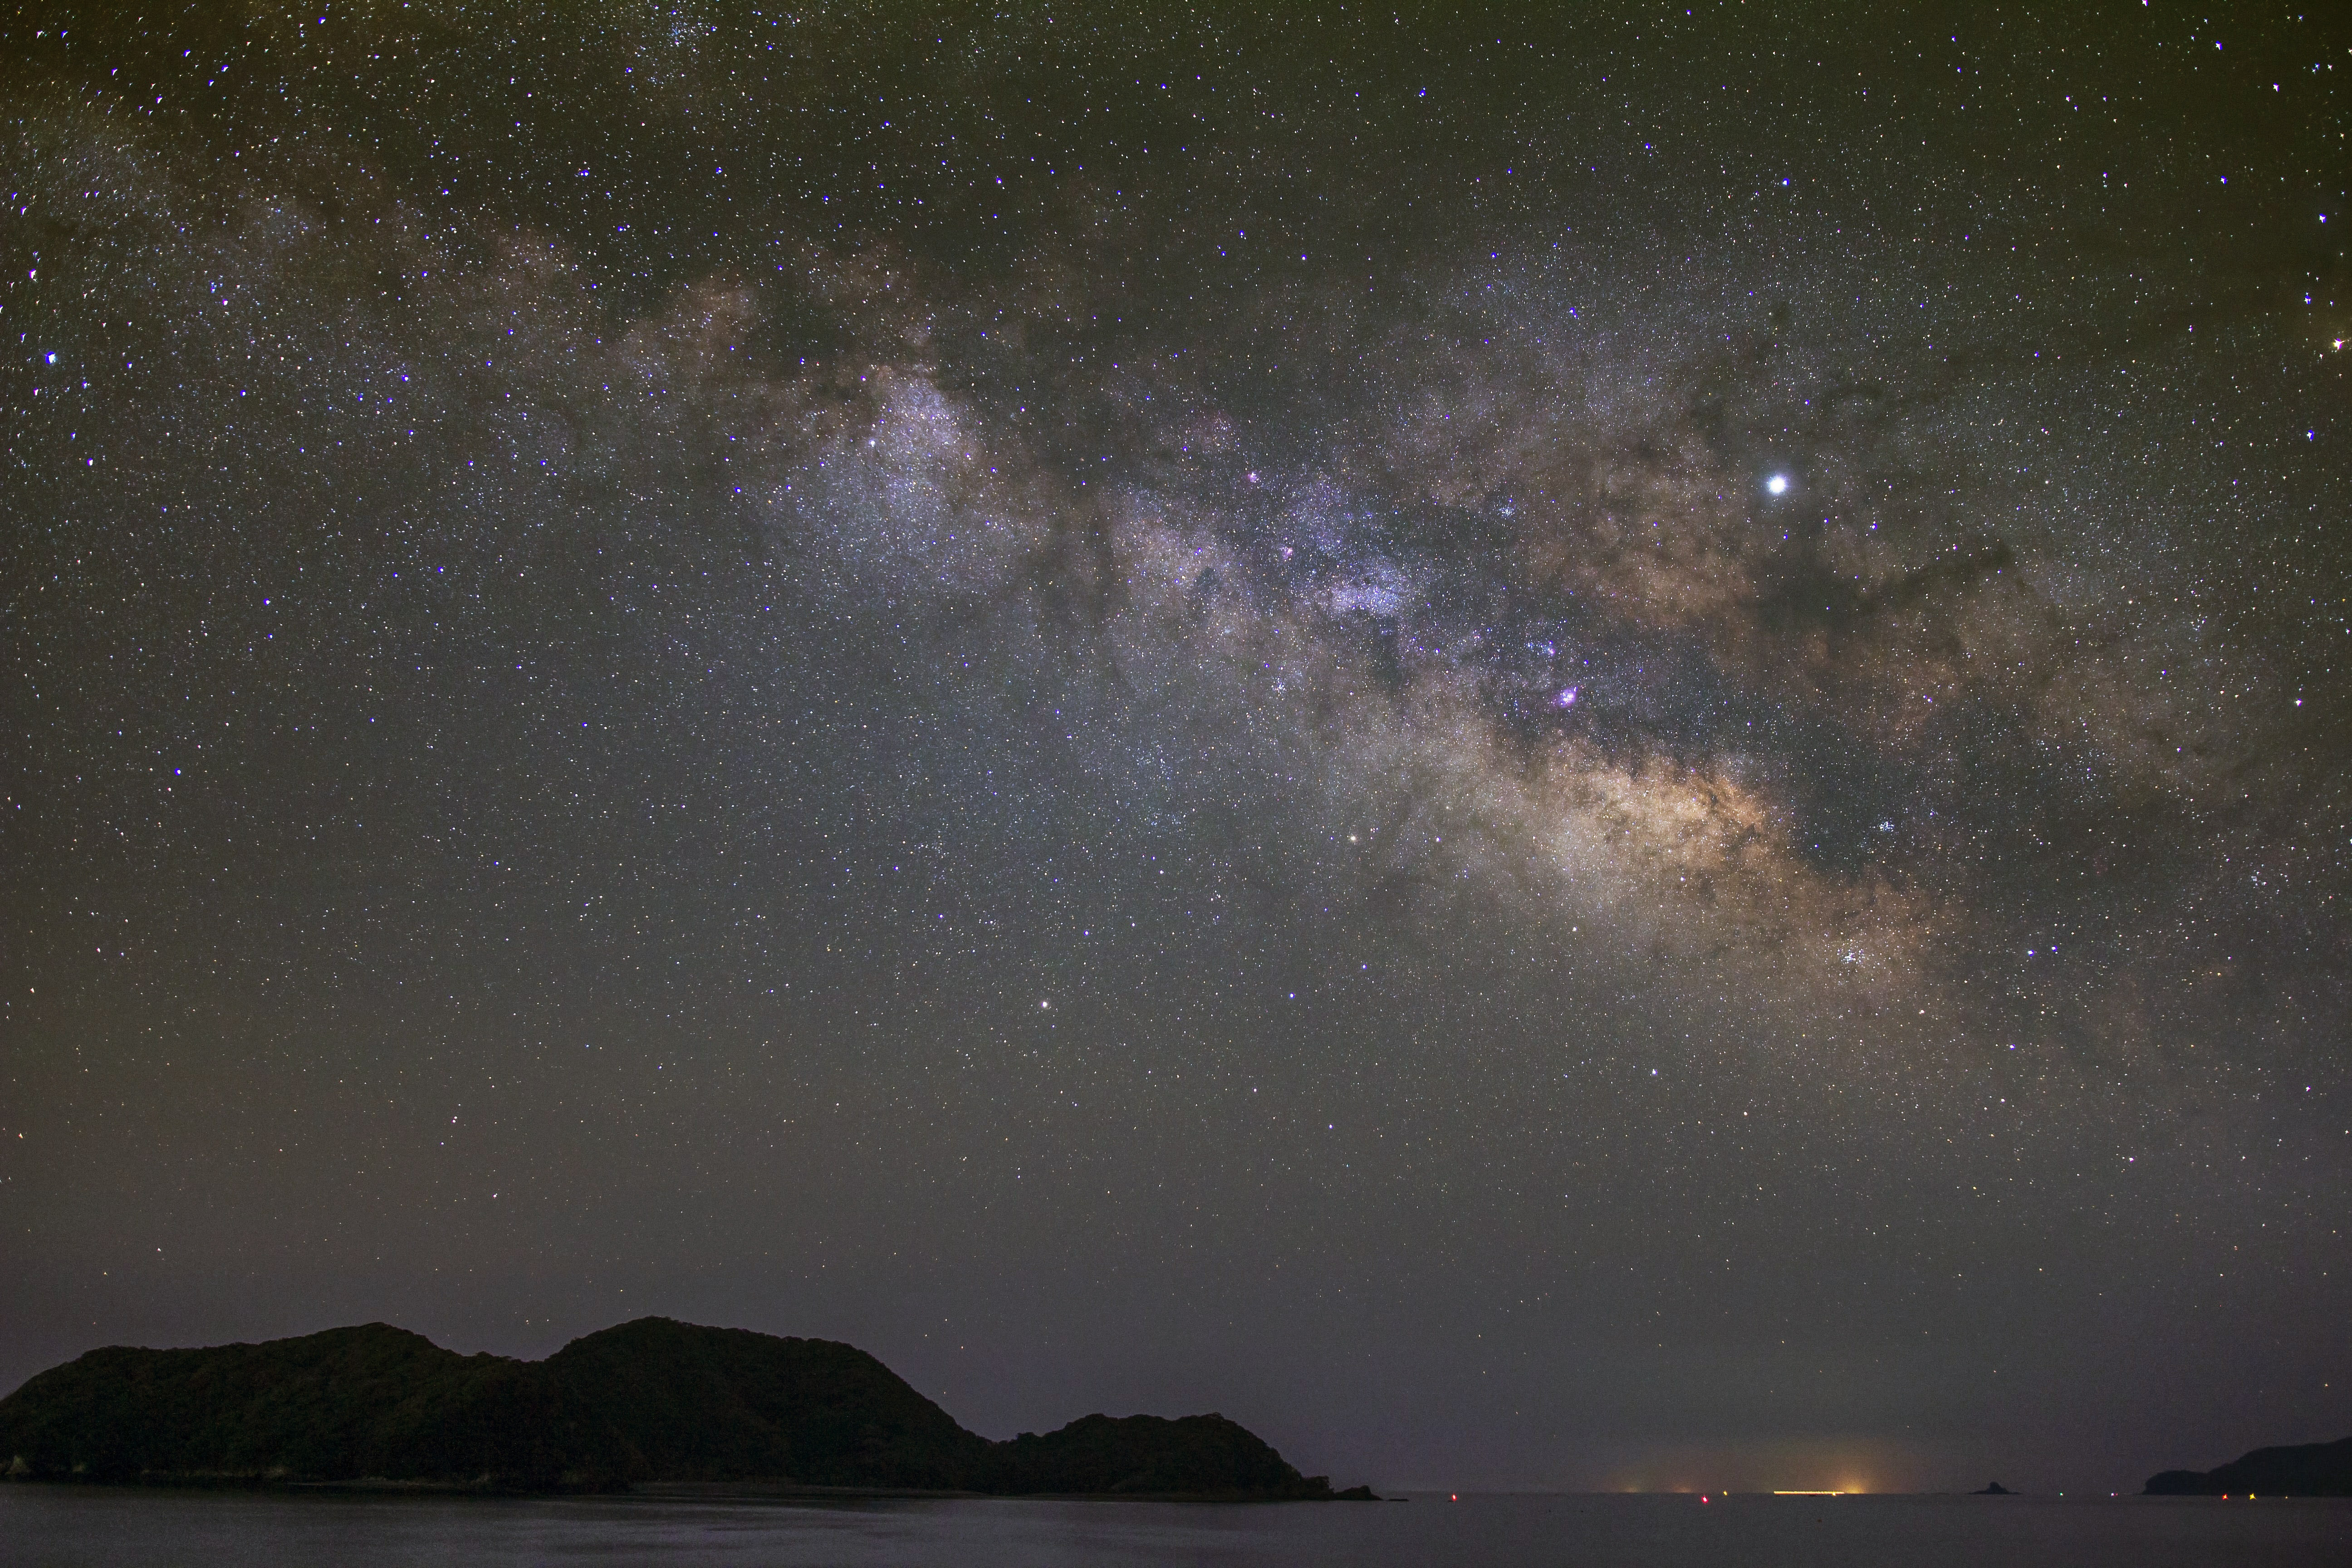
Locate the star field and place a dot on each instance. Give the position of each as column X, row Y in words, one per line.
column 1602, row 754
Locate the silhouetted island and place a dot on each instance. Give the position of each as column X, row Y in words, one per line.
column 648, row 1401
column 1995, row 1489
column 2305, row 1469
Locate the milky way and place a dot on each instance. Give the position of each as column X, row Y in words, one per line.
column 1605, row 759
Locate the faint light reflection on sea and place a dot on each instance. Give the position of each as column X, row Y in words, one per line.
column 55, row 1527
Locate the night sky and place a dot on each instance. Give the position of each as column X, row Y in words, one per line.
column 1593, row 751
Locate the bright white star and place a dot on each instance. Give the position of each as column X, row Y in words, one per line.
column 1777, row 484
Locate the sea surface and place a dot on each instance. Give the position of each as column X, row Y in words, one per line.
column 74, row 1527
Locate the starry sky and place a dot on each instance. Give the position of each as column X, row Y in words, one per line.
column 1595, row 750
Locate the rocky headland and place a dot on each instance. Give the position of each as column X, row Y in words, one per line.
column 652, row 1401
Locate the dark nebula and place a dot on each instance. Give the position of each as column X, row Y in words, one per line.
column 1606, row 752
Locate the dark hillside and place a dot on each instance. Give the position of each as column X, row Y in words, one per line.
column 1147, row 1456
column 730, row 1404
column 2303, row 1469
column 648, row 1401
column 371, row 1401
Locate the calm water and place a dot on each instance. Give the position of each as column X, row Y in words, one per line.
column 55, row 1527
